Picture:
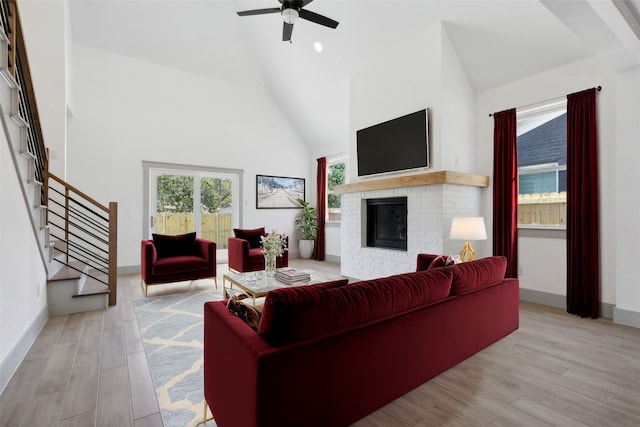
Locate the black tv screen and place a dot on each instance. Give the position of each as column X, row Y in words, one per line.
column 396, row 145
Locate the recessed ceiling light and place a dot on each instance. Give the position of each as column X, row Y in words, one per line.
column 317, row 46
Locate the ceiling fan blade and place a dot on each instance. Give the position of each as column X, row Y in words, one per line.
column 318, row 19
column 287, row 29
column 259, row 11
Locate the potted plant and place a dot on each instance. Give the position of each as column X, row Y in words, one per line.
column 307, row 226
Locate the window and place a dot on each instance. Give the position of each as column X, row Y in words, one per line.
column 542, row 166
column 336, row 175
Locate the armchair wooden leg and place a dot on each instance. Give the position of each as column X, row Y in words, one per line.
column 215, row 280
column 206, row 413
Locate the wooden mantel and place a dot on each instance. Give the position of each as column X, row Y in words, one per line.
column 429, row 178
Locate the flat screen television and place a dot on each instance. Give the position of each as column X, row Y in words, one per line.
column 395, row 145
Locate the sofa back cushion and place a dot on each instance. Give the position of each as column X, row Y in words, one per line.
column 179, row 245
column 301, row 313
column 250, row 235
column 476, row 274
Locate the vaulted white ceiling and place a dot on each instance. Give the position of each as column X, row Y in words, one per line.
column 498, row 41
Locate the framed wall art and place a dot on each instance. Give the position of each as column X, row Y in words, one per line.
column 279, row 192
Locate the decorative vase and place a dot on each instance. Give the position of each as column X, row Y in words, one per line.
column 269, row 264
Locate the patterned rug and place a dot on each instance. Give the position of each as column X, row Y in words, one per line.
column 172, row 332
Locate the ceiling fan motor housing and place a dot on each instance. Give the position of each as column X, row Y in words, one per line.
column 289, row 14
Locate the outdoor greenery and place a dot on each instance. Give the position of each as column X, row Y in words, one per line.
column 306, row 221
column 175, row 193
column 335, row 176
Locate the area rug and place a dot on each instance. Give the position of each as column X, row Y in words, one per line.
column 172, row 331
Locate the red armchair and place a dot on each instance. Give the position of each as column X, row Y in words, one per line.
column 245, row 253
column 167, row 259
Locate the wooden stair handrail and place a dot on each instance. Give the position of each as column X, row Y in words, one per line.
column 70, row 187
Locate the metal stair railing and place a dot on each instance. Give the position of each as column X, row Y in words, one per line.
column 86, row 232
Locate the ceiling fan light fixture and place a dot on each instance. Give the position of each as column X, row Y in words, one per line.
column 289, row 15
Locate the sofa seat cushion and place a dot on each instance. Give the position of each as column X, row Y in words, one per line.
column 256, row 256
column 179, row 264
column 477, row 274
column 296, row 314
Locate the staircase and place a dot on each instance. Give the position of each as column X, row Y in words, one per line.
column 76, row 235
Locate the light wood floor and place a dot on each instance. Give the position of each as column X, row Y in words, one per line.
column 90, row 369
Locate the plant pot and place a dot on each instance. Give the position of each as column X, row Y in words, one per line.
column 306, row 248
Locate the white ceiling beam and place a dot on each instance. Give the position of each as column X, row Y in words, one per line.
column 622, row 22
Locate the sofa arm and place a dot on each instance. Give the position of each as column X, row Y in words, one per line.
column 148, row 257
column 238, row 250
column 231, row 354
column 206, row 249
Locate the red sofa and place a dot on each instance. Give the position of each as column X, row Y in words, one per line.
column 328, row 355
column 245, row 251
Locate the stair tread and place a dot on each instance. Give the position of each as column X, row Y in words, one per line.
column 66, row 272
column 94, row 287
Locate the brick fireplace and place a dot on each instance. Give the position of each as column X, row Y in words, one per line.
column 433, row 199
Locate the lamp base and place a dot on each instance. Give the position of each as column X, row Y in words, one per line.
column 467, row 253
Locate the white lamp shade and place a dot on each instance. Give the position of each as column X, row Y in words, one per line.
column 468, row 228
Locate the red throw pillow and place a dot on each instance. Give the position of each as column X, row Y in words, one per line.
column 179, row 245
column 440, row 261
column 251, row 235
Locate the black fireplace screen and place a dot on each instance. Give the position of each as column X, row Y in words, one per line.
column 387, row 223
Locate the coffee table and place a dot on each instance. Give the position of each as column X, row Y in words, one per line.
column 256, row 284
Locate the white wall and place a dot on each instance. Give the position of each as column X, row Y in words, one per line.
column 45, row 27
column 457, row 123
column 22, row 276
column 402, row 81
column 127, row 111
column 627, row 206
column 544, row 86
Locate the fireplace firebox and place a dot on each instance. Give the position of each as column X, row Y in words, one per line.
column 387, row 223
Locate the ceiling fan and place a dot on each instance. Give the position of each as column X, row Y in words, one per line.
column 291, row 10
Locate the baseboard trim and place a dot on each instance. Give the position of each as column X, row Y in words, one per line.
column 17, row 354
column 129, row 269
column 332, row 258
column 560, row 301
column 626, row 317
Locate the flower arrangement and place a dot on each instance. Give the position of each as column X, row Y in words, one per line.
column 273, row 244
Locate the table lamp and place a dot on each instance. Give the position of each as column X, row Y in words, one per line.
column 468, row 228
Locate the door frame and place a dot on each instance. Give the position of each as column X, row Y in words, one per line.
column 146, row 168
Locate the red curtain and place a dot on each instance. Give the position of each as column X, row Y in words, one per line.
column 505, row 189
column 583, row 264
column 321, row 206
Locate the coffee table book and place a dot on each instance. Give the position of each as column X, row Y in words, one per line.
column 291, row 275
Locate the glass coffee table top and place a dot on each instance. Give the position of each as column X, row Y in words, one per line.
column 256, row 284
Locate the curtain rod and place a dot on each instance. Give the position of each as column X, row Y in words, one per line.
column 598, row 89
